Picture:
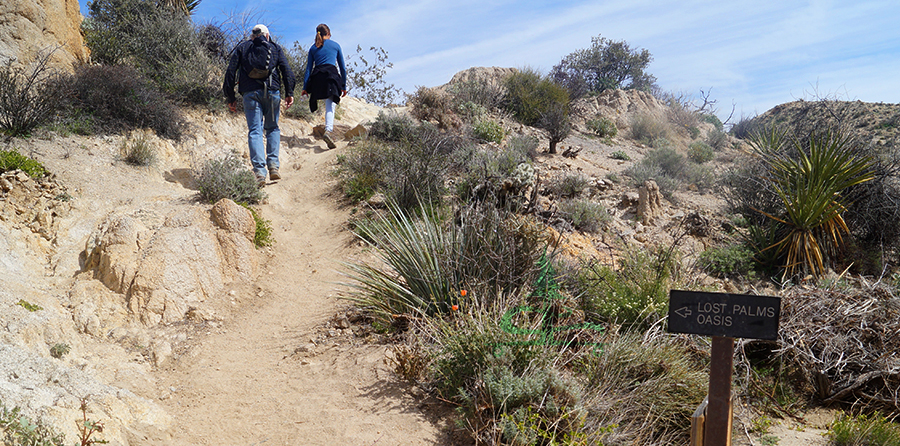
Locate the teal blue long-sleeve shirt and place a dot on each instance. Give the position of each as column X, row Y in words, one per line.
column 329, row 54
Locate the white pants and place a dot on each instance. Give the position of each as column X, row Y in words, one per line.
column 329, row 115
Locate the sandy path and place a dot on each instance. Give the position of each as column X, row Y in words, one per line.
column 243, row 384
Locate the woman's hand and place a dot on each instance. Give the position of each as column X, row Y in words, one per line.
column 343, row 93
column 304, row 93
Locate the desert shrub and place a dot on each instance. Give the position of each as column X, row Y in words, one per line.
column 647, row 129
column 700, row 152
column 603, row 127
column 120, row 99
column 13, row 160
column 431, row 104
column 717, row 139
column 863, row 430
column 29, row 98
column 607, row 64
column 665, row 165
column 712, row 119
column 161, row 43
column 393, row 127
column 522, row 144
column 488, row 130
column 745, row 127
column 360, row 168
column 227, row 177
column 585, row 215
column 502, row 174
column 568, row 186
column 486, row 95
column 537, row 101
column 620, row 155
column 18, row 430
column 646, row 376
column 471, row 111
column 138, row 151
column 728, row 261
column 632, row 293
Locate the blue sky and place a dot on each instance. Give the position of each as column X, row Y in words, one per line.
column 755, row 54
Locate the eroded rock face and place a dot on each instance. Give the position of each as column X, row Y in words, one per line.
column 28, row 27
column 164, row 272
column 649, row 202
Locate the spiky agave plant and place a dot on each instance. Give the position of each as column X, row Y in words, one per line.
column 809, row 179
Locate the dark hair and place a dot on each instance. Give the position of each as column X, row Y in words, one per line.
column 321, row 31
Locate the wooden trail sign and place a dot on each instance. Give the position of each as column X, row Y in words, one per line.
column 723, row 316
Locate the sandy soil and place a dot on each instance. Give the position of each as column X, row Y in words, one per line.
column 260, row 378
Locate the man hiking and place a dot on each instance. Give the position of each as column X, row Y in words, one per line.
column 263, row 68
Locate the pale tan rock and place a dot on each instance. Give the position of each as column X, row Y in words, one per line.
column 649, row 202
column 28, row 27
column 234, row 218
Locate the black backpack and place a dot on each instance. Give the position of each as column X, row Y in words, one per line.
column 258, row 63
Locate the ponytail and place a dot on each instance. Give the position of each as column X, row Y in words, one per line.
column 322, row 31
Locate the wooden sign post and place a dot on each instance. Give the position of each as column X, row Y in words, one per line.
column 724, row 317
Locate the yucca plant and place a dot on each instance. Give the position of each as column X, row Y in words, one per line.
column 809, row 179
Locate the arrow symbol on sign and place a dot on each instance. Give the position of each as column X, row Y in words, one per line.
column 683, row 312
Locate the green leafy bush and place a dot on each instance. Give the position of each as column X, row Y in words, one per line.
column 18, row 430
column 120, row 99
column 13, row 160
column 28, row 98
column 489, row 131
column 700, row 152
column 59, row 350
column 262, row 237
column 634, row 292
column 712, row 119
column 603, row 127
column 486, row 95
column 620, row 155
column 227, row 177
column 728, row 261
column 585, row 215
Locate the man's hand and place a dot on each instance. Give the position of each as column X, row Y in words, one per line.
column 288, row 102
column 232, row 106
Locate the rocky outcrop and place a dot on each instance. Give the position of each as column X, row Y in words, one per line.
column 618, row 105
column 28, row 27
column 649, row 202
column 162, row 273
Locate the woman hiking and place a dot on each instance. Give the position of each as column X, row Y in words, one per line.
column 323, row 80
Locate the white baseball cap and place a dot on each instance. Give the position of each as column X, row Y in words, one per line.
column 260, row 29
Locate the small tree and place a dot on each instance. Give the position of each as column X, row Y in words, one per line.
column 28, row 98
column 538, row 101
column 605, row 65
column 367, row 76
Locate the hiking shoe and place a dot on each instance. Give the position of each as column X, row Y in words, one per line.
column 260, row 179
column 327, row 136
column 273, row 174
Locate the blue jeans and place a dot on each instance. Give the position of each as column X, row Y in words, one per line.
column 262, row 115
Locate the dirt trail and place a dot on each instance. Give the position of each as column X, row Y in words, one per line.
column 245, row 384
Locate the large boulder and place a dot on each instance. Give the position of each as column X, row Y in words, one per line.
column 28, row 27
column 164, row 272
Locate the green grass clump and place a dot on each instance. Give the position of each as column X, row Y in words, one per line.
column 489, row 131
column 29, row 306
column 647, row 129
column 59, row 350
column 620, row 155
column 138, row 151
column 263, row 235
column 603, row 127
column 864, row 430
column 13, row 160
column 227, row 178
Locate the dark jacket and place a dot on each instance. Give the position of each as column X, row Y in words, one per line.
column 281, row 75
column 324, row 83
